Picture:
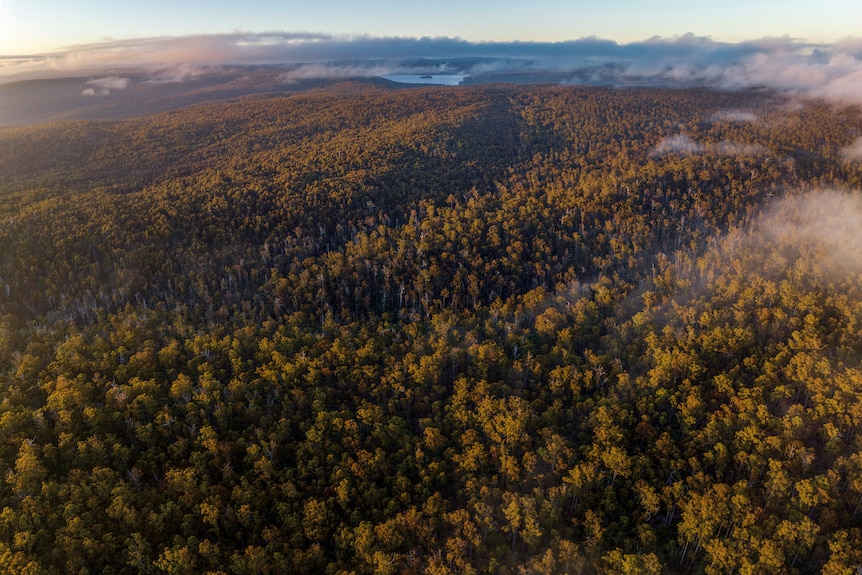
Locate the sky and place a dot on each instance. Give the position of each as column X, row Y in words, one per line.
column 810, row 48
column 38, row 26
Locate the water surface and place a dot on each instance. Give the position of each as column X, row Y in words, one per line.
column 441, row 79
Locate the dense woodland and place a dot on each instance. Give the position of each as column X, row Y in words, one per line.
column 496, row 329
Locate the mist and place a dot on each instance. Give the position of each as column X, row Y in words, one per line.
column 684, row 145
column 825, row 223
column 680, row 144
column 740, row 116
column 105, row 86
column 853, row 152
column 829, row 71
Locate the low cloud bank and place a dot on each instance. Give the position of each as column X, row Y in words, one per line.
column 105, row 86
column 830, row 71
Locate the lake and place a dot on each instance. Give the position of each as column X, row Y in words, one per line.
column 441, row 79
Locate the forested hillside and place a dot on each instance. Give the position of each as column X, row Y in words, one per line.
column 492, row 329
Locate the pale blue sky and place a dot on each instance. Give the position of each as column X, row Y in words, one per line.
column 38, row 26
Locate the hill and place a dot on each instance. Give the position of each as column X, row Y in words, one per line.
column 490, row 329
column 126, row 93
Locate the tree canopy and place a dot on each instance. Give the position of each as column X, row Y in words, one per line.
column 496, row 329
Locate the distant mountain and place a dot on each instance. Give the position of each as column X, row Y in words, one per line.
column 122, row 93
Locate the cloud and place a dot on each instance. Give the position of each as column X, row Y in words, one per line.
column 735, row 115
column 682, row 144
column 337, row 71
column 382, row 68
column 827, row 221
column 853, row 152
column 825, row 72
column 179, row 73
column 830, row 71
column 105, row 86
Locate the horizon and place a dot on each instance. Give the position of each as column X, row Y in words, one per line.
column 48, row 26
column 787, row 47
column 832, row 71
column 44, row 28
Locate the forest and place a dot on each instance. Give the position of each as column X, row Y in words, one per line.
column 495, row 329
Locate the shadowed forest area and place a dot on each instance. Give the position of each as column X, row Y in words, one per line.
column 491, row 329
